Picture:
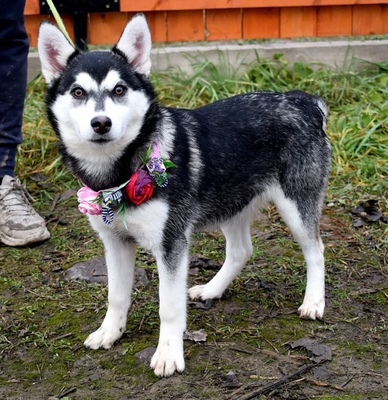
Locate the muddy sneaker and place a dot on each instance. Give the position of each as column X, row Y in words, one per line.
column 19, row 223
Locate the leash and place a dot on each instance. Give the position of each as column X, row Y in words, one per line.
column 59, row 21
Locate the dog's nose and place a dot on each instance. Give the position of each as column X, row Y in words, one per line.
column 101, row 124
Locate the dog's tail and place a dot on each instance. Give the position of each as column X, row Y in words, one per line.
column 323, row 107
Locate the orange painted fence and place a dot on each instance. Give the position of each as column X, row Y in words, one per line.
column 207, row 20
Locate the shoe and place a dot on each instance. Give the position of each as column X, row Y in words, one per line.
column 20, row 225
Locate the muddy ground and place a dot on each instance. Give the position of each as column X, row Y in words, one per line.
column 248, row 351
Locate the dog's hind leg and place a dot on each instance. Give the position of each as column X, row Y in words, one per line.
column 120, row 260
column 238, row 251
column 305, row 231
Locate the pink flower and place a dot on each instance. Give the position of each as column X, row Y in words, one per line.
column 88, row 201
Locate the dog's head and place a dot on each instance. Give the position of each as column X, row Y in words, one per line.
column 97, row 101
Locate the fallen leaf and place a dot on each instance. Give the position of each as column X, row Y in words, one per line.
column 195, row 336
column 320, row 352
column 367, row 211
column 202, row 305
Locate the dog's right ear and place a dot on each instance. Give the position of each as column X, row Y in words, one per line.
column 54, row 51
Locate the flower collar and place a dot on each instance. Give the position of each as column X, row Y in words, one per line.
column 137, row 190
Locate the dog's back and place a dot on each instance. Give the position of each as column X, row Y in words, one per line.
column 240, row 148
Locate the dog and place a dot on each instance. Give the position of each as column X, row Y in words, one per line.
column 153, row 175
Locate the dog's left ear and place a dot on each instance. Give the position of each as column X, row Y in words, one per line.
column 54, row 51
column 135, row 44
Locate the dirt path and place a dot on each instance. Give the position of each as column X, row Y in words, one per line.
column 248, row 351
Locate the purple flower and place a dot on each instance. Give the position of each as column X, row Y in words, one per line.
column 156, row 164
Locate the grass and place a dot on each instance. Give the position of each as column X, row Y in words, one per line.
column 46, row 318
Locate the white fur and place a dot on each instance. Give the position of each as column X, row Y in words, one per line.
column 167, row 134
column 168, row 357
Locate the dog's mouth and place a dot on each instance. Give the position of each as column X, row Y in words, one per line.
column 100, row 140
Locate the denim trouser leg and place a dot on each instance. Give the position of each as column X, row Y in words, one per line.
column 14, row 46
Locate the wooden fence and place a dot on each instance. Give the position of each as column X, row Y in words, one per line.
column 208, row 20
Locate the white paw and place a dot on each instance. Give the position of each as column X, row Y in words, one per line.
column 312, row 309
column 102, row 338
column 202, row 292
column 168, row 359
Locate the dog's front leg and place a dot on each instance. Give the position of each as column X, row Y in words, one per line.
column 120, row 260
column 172, row 269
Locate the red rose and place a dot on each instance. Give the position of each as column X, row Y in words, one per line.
column 140, row 188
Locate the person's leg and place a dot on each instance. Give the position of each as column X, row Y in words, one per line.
column 19, row 223
column 14, row 46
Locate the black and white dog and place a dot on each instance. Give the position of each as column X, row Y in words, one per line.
column 153, row 175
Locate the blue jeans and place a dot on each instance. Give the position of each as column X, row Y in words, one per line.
column 14, row 46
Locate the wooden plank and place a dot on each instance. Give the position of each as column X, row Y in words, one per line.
column 298, row 22
column 261, row 23
column 185, row 26
column 32, row 7
column 334, row 21
column 157, row 21
column 224, row 19
column 370, row 20
column 174, row 5
column 107, row 28
column 33, row 22
column 223, row 24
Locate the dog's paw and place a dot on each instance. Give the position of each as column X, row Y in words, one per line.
column 166, row 360
column 202, row 292
column 102, row 338
column 312, row 309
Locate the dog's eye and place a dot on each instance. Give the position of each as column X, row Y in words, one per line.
column 78, row 93
column 119, row 90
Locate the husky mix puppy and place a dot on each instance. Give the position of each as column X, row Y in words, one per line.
column 153, row 175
